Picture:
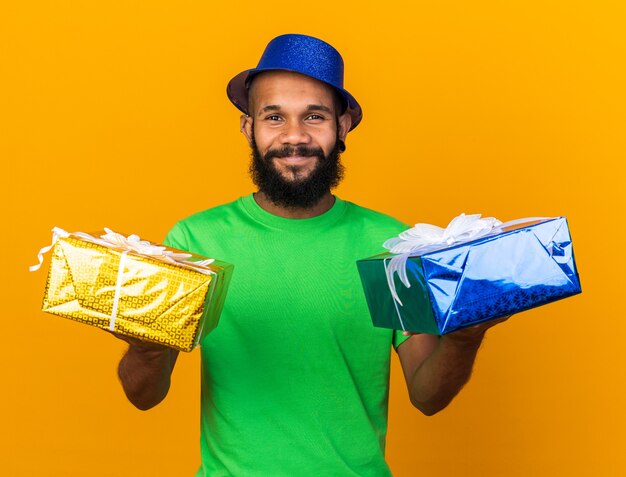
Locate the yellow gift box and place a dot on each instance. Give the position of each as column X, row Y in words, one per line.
column 133, row 287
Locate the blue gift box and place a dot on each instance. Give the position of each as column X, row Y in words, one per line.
column 452, row 287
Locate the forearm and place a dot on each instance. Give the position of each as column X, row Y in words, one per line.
column 145, row 375
column 442, row 375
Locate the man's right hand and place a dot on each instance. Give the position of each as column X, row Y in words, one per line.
column 145, row 371
column 140, row 344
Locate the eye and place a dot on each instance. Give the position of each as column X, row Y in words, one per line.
column 315, row 117
column 273, row 117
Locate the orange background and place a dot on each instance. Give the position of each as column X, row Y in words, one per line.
column 115, row 114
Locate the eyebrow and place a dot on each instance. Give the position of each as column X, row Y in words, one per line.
column 319, row 107
column 271, row 107
column 310, row 107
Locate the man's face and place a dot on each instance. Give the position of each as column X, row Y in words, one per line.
column 294, row 130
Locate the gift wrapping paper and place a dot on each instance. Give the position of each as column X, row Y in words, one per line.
column 147, row 298
column 453, row 287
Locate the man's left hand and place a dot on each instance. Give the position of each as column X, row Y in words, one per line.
column 436, row 368
column 467, row 336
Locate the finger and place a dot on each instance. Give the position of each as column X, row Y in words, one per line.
column 488, row 324
column 136, row 341
column 119, row 336
column 499, row 320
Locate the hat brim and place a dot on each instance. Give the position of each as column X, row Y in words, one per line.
column 237, row 92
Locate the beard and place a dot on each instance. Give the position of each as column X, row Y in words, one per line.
column 299, row 192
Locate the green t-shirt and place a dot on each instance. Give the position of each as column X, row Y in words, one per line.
column 295, row 379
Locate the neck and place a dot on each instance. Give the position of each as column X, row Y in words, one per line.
column 324, row 205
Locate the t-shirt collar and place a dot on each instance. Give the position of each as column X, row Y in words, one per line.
column 261, row 215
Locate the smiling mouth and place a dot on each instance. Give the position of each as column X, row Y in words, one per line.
column 294, row 159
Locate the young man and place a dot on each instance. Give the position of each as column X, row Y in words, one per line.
column 295, row 378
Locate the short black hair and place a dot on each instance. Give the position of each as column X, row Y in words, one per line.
column 341, row 105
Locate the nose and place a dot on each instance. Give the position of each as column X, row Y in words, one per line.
column 294, row 133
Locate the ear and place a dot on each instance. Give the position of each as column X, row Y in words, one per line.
column 345, row 121
column 245, row 126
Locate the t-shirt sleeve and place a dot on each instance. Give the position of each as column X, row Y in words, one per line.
column 176, row 238
column 398, row 338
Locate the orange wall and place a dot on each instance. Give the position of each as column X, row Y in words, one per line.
column 115, row 114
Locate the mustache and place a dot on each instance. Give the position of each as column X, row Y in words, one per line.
column 290, row 151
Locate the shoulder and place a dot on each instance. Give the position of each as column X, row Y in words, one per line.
column 209, row 222
column 212, row 215
column 368, row 229
column 373, row 219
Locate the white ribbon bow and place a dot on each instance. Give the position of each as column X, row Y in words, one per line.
column 461, row 229
column 132, row 243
